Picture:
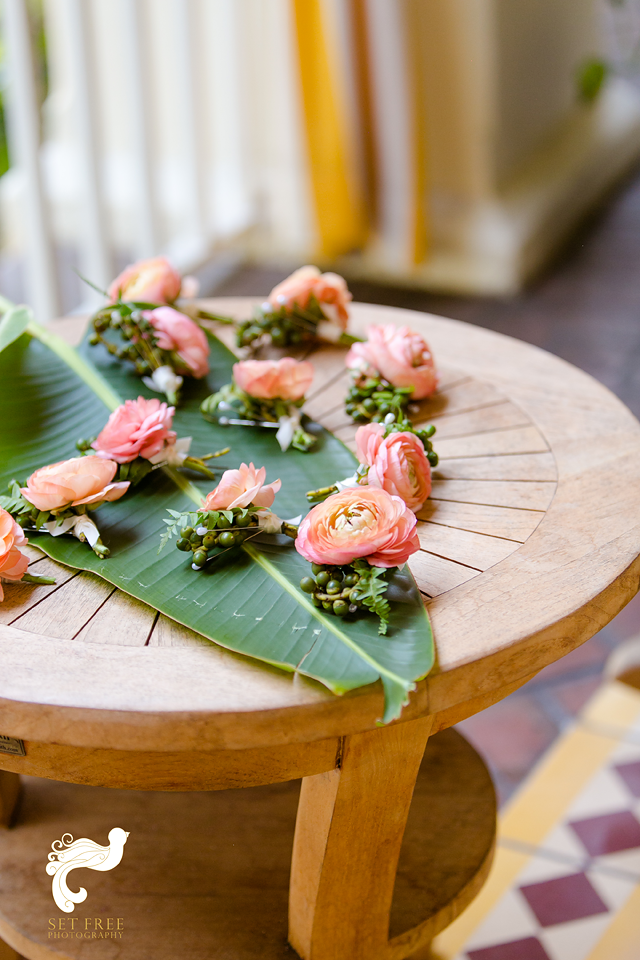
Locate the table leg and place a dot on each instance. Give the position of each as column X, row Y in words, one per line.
column 9, row 793
column 349, row 830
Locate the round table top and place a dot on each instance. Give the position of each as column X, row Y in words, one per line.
column 530, row 545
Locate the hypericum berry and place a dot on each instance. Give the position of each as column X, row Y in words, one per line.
column 334, row 586
column 243, row 521
column 308, row 585
column 323, row 578
column 209, row 540
column 186, row 532
column 340, row 608
column 317, row 567
column 222, row 523
column 200, row 558
column 351, row 579
column 227, row 539
column 183, row 544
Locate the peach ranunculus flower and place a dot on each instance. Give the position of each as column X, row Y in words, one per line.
column 398, row 354
column 177, row 332
column 329, row 289
column 285, row 379
column 360, row 522
column 138, row 428
column 13, row 563
column 149, row 281
column 240, row 488
column 397, row 463
column 70, row 483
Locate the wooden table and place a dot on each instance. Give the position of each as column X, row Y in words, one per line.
column 530, row 546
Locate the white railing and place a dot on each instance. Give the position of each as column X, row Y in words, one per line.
column 404, row 141
column 131, row 163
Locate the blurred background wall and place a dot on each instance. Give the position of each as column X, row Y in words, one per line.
column 444, row 144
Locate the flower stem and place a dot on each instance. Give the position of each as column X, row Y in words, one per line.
column 195, row 463
column 315, row 496
column 289, row 529
column 32, row 578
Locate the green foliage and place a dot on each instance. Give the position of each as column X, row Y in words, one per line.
column 371, row 590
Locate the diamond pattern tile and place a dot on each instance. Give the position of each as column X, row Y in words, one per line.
column 608, row 833
column 528, row 949
column 630, row 773
column 563, row 899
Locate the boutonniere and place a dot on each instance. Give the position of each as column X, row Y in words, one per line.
column 308, row 305
column 138, row 436
column 238, row 509
column 393, row 457
column 163, row 344
column 389, row 370
column 267, row 393
column 57, row 498
column 353, row 540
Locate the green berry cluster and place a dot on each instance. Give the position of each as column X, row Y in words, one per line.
column 423, row 433
column 283, row 327
column 335, row 589
column 371, row 399
column 135, row 340
column 216, row 532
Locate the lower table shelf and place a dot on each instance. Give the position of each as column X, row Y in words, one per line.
column 205, row 875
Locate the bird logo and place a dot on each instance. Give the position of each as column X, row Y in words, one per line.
column 68, row 854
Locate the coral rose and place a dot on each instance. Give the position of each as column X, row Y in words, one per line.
column 399, row 355
column 138, row 428
column 399, row 466
column 149, row 281
column 239, row 488
column 359, row 522
column 285, row 379
column 13, row 563
column 329, row 289
column 70, row 483
column 175, row 331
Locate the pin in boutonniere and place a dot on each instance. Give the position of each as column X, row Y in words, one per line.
column 238, row 509
column 394, row 457
column 353, row 540
column 266, row 393
column 391, row 369
column 14, row 563
column 307, row 306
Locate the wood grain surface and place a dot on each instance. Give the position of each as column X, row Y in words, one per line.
column 529, row 545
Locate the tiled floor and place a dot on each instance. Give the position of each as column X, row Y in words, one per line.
column 587, row 310
column 565, row 884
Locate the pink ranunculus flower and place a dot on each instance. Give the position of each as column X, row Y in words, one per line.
column 285, row 379
column 398, row 354
column 149, row 281
column 69, row 483
column 239, row 488
column 13, row 563
column 177, row 332
column 329, row 289
column 138, row 428
column 360, row 522
column 400, row 467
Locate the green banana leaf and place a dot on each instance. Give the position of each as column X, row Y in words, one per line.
column 51, row 395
